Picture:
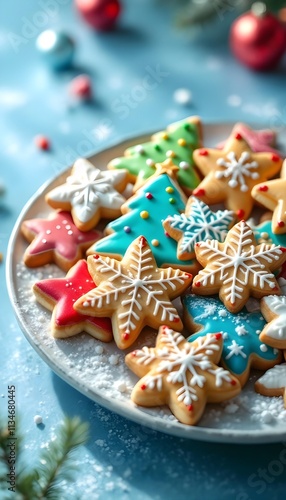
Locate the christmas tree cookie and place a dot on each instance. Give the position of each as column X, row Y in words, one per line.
column 178, row 142
column 134, row 292
column 242, row 348
column 183, row 375
column 146, row 210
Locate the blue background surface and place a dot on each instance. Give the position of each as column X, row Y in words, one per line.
column 122, row 459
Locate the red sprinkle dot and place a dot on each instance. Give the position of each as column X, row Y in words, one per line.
column 203, row 152
column 197, row 244
column 233, row 382
column 281, row 223
column 167, row 235
column 238, row 137
column 143, row 387
column 142, row 240
column 42, row 142
column 240, row 214
column 189, row 275
column 176, row 319
column 190, row 407
column 126, row 336
column 149, row 196
column 283, row 249
column 134, row 354
column 263, row 188
column 96, row 256
column 218, row 336
column 275, row 158
column 199, row 192
column 198, row 284
column 80, row 87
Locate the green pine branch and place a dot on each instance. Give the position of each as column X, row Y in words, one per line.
column 57, row 464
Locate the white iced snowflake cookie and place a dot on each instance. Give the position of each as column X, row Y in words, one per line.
column 183, row 375
column 237, row 268
column 90, row 194
column 273, row 382
column 273, row 309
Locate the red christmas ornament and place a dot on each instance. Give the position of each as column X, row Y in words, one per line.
column 100, row 14
column 257, row 38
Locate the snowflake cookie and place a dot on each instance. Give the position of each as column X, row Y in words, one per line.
column 59, row 295
column 197, row 223
column 231, row 173
column 273, row 382
column 57, row 240
column 237, row 268
column 272, row 195
column 90, row 193
column 183, row 375
column 177, row 142
column 242, row 348
column 273, row 309
column 134, row 292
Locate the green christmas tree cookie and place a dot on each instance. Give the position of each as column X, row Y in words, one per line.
column 177, row 142
column 143, row 215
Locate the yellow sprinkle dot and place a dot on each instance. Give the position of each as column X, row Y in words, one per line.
column 182, row 142
column 155, row 243
column 170, row 154
column 144, row 214
column 165, row 136
column 169, row 189
column 265, row 235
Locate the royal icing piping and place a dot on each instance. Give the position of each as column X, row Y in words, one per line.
column 274, row 378
column 136, row 288
column 237, row 263
column 59, row 234
column 155, row 199
column 88, row 189
column 199, row 223
column 277, row 327
column 240, row 331
column 140, row 159
column 237, row 169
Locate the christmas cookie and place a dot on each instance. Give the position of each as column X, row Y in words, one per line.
column 134, row 292
column 183, row 375
column 178, row 142
column 260, row 141
column 272, row 195
column 237, row 268
column 89, row 193
column 56, row 240
column 197, row 223
column 231, row 173
column 242, row 348
column 274, row 311
column 263, row 234
column 143, row 215
column 273, row 382
column 60, row 294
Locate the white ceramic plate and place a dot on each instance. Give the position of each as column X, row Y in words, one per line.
column 103, row 376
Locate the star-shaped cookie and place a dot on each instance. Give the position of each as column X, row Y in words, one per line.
column 167, row 167
column 60, row 294
column 183, row 375
column 272, row 195
column 242, row 348
column 197, row 223
column 260, row 141
column 90, row 193
column 237, row 268
column 232, row 172
column 273, row 382
column 274, row 311
column 56, row 240
column 134, row 292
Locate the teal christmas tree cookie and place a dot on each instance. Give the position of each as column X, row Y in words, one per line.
column 242, row 348
column 178, row 142
column 144, row 213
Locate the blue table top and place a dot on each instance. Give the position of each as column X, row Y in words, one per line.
column 121, row 457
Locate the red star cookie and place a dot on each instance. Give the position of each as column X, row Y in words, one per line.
column 231, row 174
column 260, row 141
column 237, row 268
column 60, row 294
column 56, row 240
column 134, row 292
column 183, row 375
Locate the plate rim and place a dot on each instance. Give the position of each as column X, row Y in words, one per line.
column 132, row 412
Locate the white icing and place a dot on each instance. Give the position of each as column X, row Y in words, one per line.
column 239, row 264
column 235, row 350
column 276, row 306
column 274, row 378
column 88, row 189
column 237, row 170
